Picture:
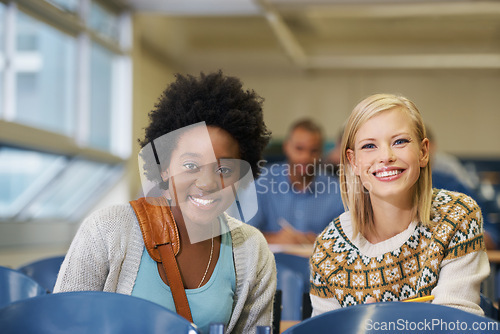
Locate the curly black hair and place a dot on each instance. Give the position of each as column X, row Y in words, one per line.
column 219, row 101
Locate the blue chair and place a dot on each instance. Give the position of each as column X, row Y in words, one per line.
column 293, row 281
column 86, row 312
column 263, row 330
column 396, row 317
column 291, row 286
column 489, row 308
column 16, row 286
column 299, row 264
column 44, row 271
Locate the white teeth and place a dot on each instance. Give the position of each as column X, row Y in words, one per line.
column 202, row 201
column 388, row 173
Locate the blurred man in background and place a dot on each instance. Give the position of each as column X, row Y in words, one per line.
column 298, row 197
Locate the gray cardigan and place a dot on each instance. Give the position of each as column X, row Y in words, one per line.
column 106, row 252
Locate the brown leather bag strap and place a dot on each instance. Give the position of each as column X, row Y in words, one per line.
column 175, row 281
column 157, row 224
column 161, row 239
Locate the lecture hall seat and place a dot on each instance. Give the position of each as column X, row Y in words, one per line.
column 44, row 271
column 15, row 286
column 293, row 281
column 86, row 312
column 396, row 317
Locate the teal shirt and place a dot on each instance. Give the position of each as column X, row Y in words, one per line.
column 211, row 303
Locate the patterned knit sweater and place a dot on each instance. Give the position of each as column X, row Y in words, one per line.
column 346, row 271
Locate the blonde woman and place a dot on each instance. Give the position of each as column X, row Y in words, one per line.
column 398, row 238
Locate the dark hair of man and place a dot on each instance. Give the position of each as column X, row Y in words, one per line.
column 305, row 124
column 219, row 101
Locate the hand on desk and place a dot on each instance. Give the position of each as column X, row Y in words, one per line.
column 489, row 242
column 289, row 235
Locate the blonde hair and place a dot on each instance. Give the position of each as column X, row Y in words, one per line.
column 355, row 197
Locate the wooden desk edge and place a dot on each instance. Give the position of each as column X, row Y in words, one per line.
column 493, row 256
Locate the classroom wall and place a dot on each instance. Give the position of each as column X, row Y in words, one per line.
column 151, row 74
column 461, row 106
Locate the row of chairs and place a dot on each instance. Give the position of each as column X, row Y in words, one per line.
column 104, row 312
column 25, row 293
column 291, row 303
column 84, row 312
column 44, row 271
column 30, row 280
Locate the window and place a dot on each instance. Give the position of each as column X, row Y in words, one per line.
column 67, row 5
column 23, row 175
column 103, row 21
column 45, row 70
column 64, row 75
column 2, row 55
column 101, row 78
column 72, row 191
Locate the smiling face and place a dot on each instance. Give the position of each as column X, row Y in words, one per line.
column 202, row 169
column 388, row 155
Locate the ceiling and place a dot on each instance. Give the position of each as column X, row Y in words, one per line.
column 325, row 34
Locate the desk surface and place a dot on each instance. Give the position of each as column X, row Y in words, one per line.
column 304, row 250
column 494, row 256
column 285, row 324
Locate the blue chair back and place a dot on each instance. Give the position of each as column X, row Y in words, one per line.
column 44, row 271
column 86, row 312
column 489, row 308
column 292, row 288
column 15, row 286
column 293, row 281
column 299, row 264
column 396, row 317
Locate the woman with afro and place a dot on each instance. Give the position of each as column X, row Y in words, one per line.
column 205, row 134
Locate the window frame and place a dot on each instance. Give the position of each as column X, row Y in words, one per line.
column 65, row 22
column 76, row 144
